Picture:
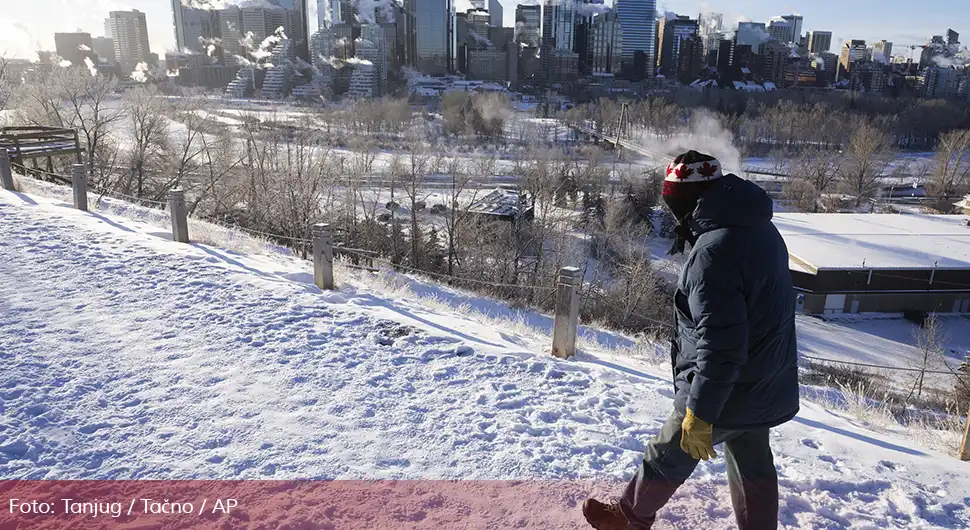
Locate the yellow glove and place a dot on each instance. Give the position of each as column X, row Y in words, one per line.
column 696, row 437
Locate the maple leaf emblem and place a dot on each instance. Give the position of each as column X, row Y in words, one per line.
column 683, row 171
column 707, row 170
column 670, row 169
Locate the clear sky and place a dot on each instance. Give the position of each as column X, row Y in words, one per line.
column 26, row 25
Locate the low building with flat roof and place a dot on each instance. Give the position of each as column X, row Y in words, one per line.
column 887, row 263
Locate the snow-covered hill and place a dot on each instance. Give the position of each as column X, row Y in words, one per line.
column 126, row 356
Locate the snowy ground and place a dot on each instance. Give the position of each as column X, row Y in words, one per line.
column 885, row 340
column 128, row 356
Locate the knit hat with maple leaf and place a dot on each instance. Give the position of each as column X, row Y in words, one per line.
column 688, row 177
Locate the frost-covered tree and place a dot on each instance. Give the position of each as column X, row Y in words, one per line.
column 931, row 341
column 6, row 83
column 148, row 127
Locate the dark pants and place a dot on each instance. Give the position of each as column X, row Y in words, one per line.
column 750, row 469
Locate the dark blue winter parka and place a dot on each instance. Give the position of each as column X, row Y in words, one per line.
column 734, row 352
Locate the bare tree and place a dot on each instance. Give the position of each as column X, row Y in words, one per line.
column 812, row 174
column 221, row 162
column 455, row 107
column 38, row 100
column 952, row 165
column 463, row 192
column 186, row 156
column 411, row 171
column 89, row 101
column 6, row 84
column 149, row 132
column 931, row 342
column 866, row 156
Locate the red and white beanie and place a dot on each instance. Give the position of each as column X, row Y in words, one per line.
column 688, row 177
column 693, row 167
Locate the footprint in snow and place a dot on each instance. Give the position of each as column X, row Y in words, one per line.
column 836, row 463
column 892, row 466
column 814, row 444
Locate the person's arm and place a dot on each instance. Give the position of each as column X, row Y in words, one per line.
column 717, row 305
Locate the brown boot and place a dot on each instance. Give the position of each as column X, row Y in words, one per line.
column 603, row 516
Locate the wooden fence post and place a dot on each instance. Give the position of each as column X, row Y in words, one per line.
column 567, row 312
column 79, row 181
column 965, row 446
column 6, row 172
column 323, row 256
column 180, row 215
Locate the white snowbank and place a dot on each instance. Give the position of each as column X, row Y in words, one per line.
column 129, row 356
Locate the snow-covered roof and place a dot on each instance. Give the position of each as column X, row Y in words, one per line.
column 501, row 202
column 875, row 241
column 704, row 84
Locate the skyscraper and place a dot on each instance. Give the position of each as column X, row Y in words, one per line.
column 882, row 52
column 104, row 47
column 710, row 26
column 478, row 23
column 751, row 34
column 852, row 51
column 558, row 31
column 952, row 37
column 297, row 25
column 495, row 12
column 558, row 19
column 675, row 31
column 74, row 47
column 774, row 53
column 605, row 43
column 371, row 46
column 527, row 20
column 198, row 28
column 130, row 34
column 192, row 25
column 432, row 35
column 637, row 22
column 819, row 41
column 330, row 12
column 494, row 9
column 690, row 59
column 795, row 21
column 781, row 30
column 262, row 22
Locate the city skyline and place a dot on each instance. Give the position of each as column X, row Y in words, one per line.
column 28, row 26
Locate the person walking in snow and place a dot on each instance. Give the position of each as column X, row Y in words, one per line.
column 733, row 350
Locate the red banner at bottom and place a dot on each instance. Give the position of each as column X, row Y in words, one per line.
column 297, row 505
